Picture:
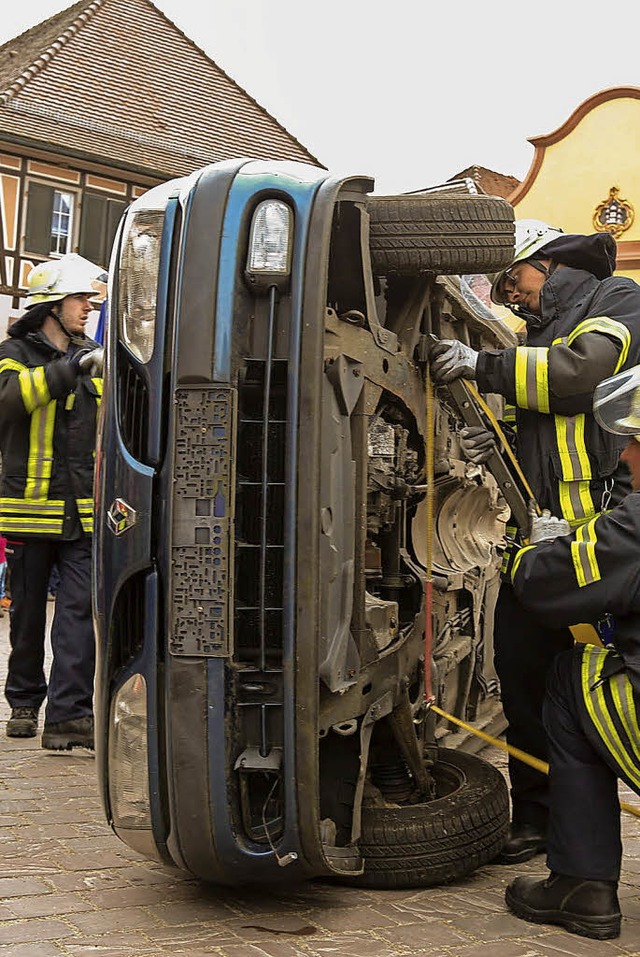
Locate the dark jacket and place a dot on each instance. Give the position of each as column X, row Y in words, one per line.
column 593, row 576
column 47, row 438
column 589, row 329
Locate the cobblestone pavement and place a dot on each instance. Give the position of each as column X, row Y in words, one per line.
column 68, row 886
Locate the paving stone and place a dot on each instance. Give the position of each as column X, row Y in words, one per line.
column 32, row 949
column 98, row 921
column 175, row 912
column 501, row 948
column 350, row 945
column 112, row 945
column 432, row 934
column 264, row 949
column 354, row 918
column 21, row 886
column 46, row 906
column 558, row 944
column 496, row 926
column 22, row 931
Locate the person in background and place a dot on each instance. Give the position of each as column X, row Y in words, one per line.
column 4, row 601
column 592, row 703
column 102, row 319
column 50, row 389
column 582, row 326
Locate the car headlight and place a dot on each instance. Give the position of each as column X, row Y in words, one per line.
column 128, row 756
column 270, row 242
column 138, row 280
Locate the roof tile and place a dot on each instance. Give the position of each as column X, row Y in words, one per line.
column 117, row 80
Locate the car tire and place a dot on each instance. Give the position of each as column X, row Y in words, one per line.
column 423, row 845
column 449, row 234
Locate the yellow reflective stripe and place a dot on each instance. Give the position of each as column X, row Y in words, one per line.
column 576, row 501
column 581, row 447
column 35, row 516
column 40, row 457
column 85, row 511
column 11, row 365
column 521, row 377
column 583, row 553
column 98, row 384
column 608, row 326
column 592, row 662
column 509, row 414
column 572, row 447
column 518, row 559
column 532, row 378
column 563, row 448
column 625, row 706
column 542, row 379
column 53, row 506
column 70, row 401
column 19, row 524
column 586, row 500
column 34, row 388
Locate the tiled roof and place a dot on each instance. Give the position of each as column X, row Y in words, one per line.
column 490, row 182
column 116, row 80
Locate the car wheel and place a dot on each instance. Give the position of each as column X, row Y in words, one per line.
column 422, row 845
column 452, row 234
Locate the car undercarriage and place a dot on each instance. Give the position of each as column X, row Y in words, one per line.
column 282, row 498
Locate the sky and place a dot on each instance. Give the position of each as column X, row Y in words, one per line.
column 410, row 92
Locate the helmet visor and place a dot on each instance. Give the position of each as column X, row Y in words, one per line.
column 616, row 403
column 531, row 236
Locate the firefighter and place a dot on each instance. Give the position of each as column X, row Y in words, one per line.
column 582, row 325
column 592, row 702
column 50, row 389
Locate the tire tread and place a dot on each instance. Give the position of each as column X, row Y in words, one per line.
column 435, row 843
column 446, row 234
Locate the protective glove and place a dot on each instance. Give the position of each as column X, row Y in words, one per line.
column 452, row 359
column 477, row 443
column 546, row 527
column 61, row 376
column 92, row 362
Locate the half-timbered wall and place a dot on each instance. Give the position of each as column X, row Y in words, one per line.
column 47, row 209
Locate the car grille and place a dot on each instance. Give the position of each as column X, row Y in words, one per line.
column 128, row 622
column 133, row 401
column 260, row 490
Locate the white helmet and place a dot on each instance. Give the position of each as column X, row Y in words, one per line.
column 71, row 275
column 616, row 403
column 531, row 235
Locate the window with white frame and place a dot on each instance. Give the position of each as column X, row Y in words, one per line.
column 49, row 219
column 61, row 222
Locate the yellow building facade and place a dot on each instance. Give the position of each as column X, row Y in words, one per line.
column 585, row 176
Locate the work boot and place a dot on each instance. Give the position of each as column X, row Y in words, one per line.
column 64, row 735
column 588, row 908
column 524, row 843
column 23, row 723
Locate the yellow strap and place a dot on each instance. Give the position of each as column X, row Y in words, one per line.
column 515, row 752
column 503, row 439
column 429, row 466
column 583, row 632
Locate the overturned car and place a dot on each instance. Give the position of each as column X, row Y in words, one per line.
column 292, row 558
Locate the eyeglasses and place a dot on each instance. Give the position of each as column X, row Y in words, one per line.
column 509, row 282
